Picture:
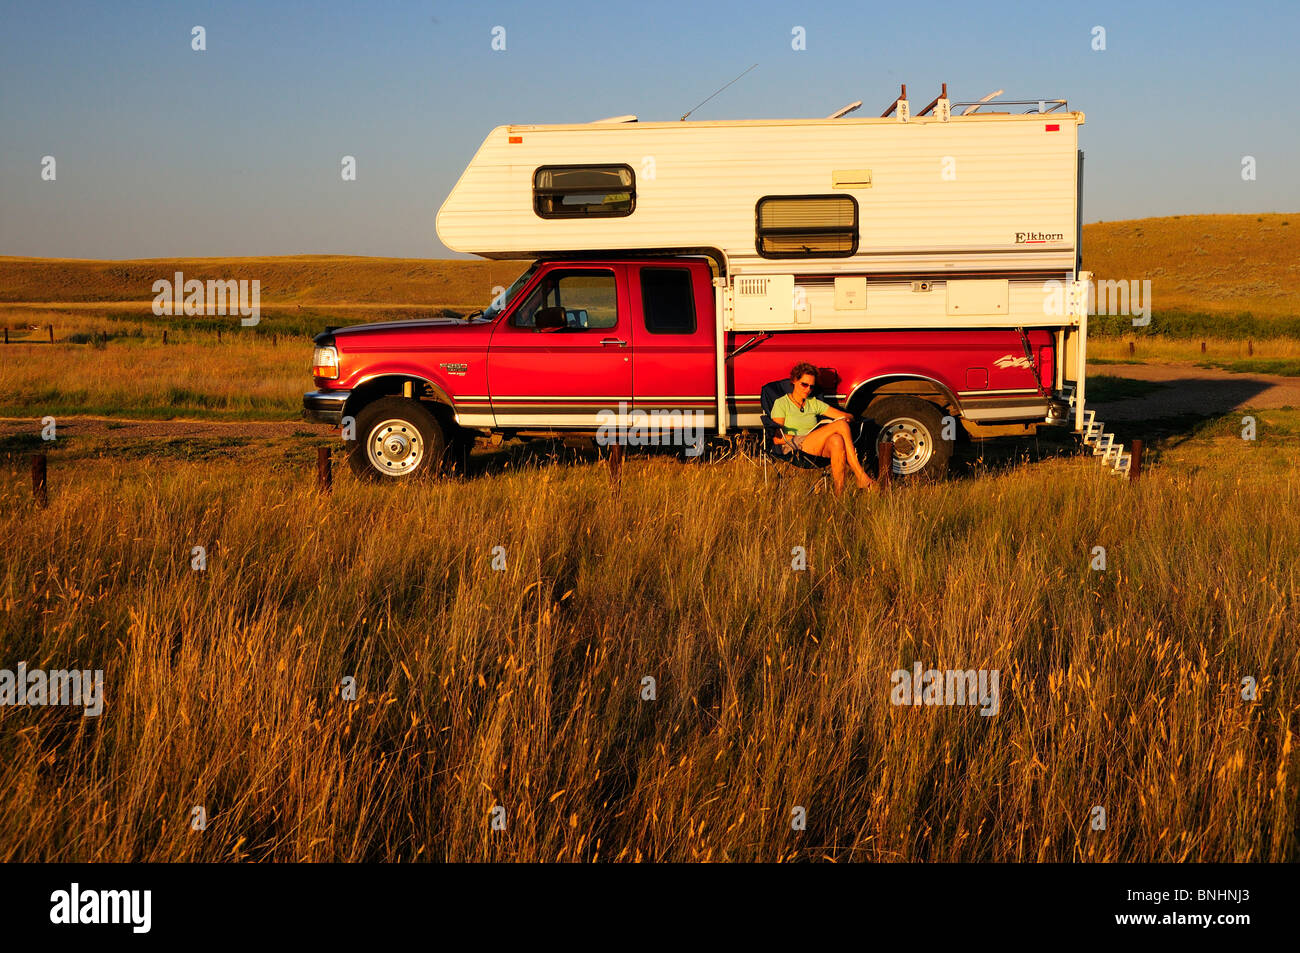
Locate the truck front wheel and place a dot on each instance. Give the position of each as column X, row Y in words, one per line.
column 396, row 439
column 915, row 427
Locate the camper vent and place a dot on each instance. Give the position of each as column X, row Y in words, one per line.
column 764, row 302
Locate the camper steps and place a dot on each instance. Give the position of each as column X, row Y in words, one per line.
column 1103, row 444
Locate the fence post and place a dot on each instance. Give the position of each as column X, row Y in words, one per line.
column 885, row 470
column 1251, row 346
column 1131, row 349
column 38, row 479
column 615, row 465
column 164, row 337
column 1135, row 461
column 1202, row 347
column 324, row 478
column 218, row 335
column 51, row 334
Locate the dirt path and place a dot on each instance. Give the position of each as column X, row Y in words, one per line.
column 1189, row 389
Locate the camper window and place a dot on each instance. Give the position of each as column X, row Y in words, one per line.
column 807, row 226
column 589, row 300
column 667, row 301
column 584, row 191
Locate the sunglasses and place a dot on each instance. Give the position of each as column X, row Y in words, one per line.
column 802, row 384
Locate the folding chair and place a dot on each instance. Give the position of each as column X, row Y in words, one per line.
column 768, row 396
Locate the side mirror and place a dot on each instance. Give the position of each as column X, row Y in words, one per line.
column 549, row 319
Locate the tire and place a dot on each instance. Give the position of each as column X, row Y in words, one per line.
column 397, row 439
column 915, row 427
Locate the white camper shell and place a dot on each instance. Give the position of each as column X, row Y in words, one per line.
column 984, row 207
column 908, row 221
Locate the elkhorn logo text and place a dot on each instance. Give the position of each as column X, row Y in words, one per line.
column 946, row 687
column 55, row 687
column 217, row 297
column 658, row 428
column 103, row 906
column 1031, row 238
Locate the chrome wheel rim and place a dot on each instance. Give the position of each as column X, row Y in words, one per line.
column 913, row 445
column 395, row 447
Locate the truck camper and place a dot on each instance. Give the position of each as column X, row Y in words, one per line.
column 928, row 263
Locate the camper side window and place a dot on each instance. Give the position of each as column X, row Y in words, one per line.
column 806, row 226
column 584, row 191
column 589, row 300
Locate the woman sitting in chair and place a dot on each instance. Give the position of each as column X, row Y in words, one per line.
column 816, row 428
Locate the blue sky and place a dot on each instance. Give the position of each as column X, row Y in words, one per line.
column 164, row 151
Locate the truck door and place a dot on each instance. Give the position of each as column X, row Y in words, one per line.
column 673, row 334
column 563, row 377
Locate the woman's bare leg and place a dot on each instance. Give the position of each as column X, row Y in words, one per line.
column 837, row 431
column 835, row 447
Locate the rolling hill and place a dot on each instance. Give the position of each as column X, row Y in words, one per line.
column 1204, row 263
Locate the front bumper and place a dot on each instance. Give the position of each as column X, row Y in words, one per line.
column 325, row 406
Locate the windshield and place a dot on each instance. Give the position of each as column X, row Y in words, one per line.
column 502, row 301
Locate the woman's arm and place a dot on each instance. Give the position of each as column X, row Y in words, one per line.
column 833, row 413
column 779, row 438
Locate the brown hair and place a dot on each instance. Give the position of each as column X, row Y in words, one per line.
column 802, row 368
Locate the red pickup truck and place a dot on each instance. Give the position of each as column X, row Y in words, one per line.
column 573, row 343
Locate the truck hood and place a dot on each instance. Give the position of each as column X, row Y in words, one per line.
column 383, row 331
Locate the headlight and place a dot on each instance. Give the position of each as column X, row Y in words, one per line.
column 325, row 363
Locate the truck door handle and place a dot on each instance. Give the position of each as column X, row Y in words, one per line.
column 618, row 341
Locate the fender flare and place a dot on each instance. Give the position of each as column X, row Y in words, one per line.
column 860, row 390
column 366, row 386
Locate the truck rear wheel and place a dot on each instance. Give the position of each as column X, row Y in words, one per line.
column 915, row 427
column 397, row 439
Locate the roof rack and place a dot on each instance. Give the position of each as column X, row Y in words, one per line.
column 1040, row 105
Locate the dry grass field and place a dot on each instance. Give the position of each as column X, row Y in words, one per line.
column 1217, row 263
column 288, row 280
column 108, row 356
column 522, row 687
column 1212, row 263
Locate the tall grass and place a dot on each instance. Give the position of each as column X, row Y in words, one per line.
column 522, row 688
column 1194, row 326
column 240, row 378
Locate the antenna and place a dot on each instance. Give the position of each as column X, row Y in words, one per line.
column 697, row 106
column 846, row 110
column 970, row 109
